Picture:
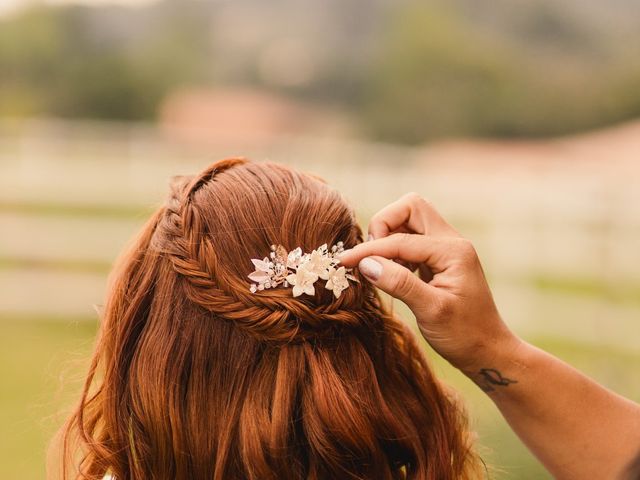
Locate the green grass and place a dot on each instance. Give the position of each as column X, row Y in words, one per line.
column 55, row 264
column 621, row 292
column 58, row 209
column 41, row 365
column 42, row 361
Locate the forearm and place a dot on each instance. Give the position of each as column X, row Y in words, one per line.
column 577, row 428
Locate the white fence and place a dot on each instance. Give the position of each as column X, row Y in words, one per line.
column 557, row 224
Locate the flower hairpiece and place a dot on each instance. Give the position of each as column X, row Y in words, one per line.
column 301, row 270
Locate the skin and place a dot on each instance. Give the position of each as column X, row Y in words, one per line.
column 577, row 428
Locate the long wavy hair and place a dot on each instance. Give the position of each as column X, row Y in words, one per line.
column 195, row 377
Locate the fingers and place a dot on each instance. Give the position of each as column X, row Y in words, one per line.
column 435, row 252
column 410, row 213
column 397, row 281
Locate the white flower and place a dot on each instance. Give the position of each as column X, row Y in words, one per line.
column 319, row 262
column 294, row 258
column 263, row 271
column 338, row 280
column 300, row 270
column 302, row 281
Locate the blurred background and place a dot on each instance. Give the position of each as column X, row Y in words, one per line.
column 520, row 121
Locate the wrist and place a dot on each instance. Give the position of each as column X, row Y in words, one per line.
column 498, row 362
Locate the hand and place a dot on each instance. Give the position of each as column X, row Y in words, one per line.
column 450, row 298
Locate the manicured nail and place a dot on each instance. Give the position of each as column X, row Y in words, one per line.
column 370, row 268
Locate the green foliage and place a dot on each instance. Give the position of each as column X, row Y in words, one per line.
column 53, row 62
column 434, row 79
column 408, row 72
column 439, row 74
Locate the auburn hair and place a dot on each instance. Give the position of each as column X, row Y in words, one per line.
column 195, row 377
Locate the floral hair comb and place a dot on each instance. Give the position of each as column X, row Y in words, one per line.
column 301, row 270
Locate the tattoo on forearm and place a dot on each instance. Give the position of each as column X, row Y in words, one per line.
column 492, row 378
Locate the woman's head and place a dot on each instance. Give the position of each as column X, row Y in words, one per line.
column 194, row 376
column 215, row 223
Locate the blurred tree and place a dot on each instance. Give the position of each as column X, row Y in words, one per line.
column 438, row 74
column 57, row 61
column 434, row 78
column 28, row 53
column 408, row 71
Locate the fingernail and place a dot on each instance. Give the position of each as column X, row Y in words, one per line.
column 370, row 237
column 370, row 268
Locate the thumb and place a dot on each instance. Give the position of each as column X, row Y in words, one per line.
column 397, row 281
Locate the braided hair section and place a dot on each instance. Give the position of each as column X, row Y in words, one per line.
column 274, row 315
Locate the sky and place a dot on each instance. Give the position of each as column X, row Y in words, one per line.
column 9, row 6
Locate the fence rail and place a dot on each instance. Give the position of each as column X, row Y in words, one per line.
column 559, row 234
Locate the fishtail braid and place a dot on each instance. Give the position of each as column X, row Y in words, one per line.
column 275, row 316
